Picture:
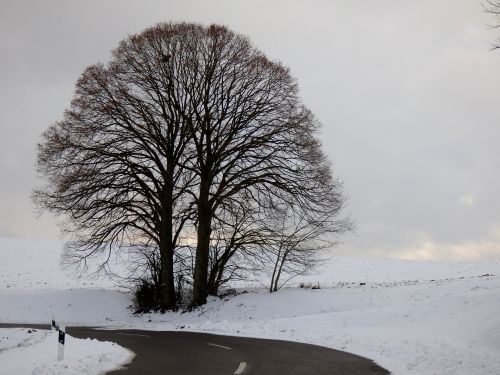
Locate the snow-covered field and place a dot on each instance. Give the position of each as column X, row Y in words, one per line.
column 34, row 352
column 411, row 317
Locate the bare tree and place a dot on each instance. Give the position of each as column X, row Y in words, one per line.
column 493, row 8
column 249, row 133
column 237, row 237
column 169, row 137
column 296, row 240
column 274, row 237
column 114, row 163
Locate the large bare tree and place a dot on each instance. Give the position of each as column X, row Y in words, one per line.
column 168, row 137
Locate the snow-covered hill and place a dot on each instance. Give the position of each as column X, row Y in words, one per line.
column 410, row 317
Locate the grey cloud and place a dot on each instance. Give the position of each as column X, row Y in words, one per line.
column 406, row 92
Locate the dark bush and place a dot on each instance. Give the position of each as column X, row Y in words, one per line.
column 146, row 297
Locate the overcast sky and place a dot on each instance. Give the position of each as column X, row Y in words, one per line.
column 407, row 92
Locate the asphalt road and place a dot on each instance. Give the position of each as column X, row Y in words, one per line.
column 189, row 353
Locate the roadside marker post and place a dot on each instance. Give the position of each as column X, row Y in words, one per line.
column 60, row 345
column 53, row 326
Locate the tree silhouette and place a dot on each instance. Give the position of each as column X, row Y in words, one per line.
column 188, row 127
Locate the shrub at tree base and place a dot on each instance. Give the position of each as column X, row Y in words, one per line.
column 146, row 297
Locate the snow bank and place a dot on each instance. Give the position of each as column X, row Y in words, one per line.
column 34, row 352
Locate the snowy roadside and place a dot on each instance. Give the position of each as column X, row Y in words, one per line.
column 33, row 352
column 414, row 318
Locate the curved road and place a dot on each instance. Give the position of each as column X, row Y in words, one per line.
column 189, row 353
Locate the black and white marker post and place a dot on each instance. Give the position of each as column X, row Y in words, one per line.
column 61, row 339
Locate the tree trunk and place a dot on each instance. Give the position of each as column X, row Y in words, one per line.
column 275, row 269
column 200, row 281
column 216, row 273
column 214, row 281
column 212, row 286
column 167, row 290
column 218, row 281
column 282, row 261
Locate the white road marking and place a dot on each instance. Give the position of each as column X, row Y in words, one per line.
column 131, row 334
column 240, row 368
column 219, row 346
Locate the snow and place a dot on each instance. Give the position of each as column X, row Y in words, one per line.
column 411, row 317
column 71, row 306
column 34, row 352
column 29, row 264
